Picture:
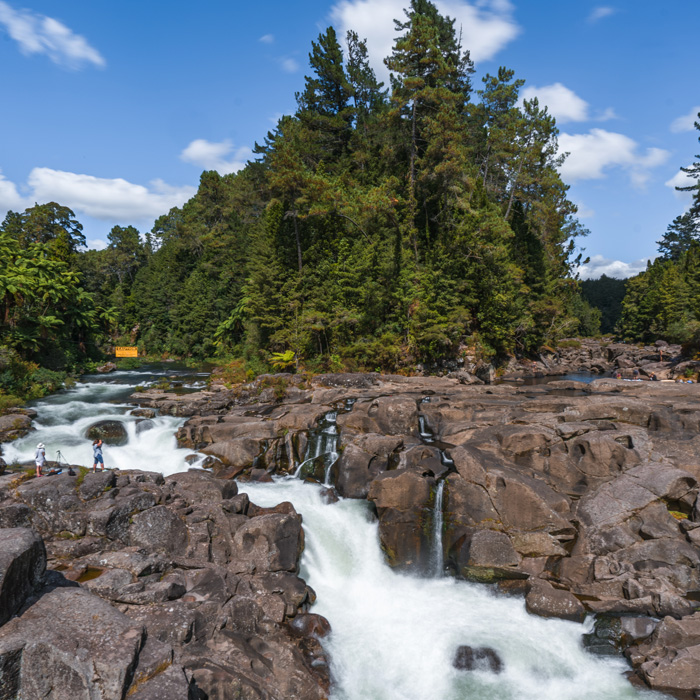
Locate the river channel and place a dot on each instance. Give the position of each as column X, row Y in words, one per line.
column 394, row 636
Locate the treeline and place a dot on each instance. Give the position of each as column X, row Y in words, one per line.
column 378, row 226
column 664, row 300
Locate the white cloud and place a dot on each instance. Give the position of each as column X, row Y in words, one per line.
column 113, row 199
column 38, row 34
column 10, row 197
column 213, row 156
column 606, row 115
column 486, row 26
column 289, row 65
column 564, row 104
column 267, row 39
column 96, row 244
column 680, row 179
column 600, row 13
column 687, row 121
column 599, row 265
column 592, row 154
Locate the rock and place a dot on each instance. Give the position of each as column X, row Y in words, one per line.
column 95, row 484
column 546, row 601
column 669, row 661
column 13, row 426
column 268, row 543
column 387, row 415
column 143, row 425
column 158, row 529
column 88, row 645
column 22, row 565
column 143, row 413
column 112, row 432
column 107, row 367
column 200, row 487
column 402, row 502
column 489, row 548
column 477, row 659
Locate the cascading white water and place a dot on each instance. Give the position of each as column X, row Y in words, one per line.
column 63, row 419
column 394, row 636
column 438, row 563
column 322, row 443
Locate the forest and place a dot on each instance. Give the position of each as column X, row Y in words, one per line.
column 378, row 227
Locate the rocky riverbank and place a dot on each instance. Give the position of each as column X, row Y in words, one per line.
column 583, row 498
column 129, row 584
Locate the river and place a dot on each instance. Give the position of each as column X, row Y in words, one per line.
column 394, row 636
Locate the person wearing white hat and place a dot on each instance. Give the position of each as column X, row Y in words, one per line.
column 40, row 458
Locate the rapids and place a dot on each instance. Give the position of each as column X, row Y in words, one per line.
column 64, row 417
column 393, row 636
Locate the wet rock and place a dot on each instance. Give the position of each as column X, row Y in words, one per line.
column 402, row 499
column 143, row 413
column 669, row 661
column 106, row 368
column 143, row 425
column 477, row 659
column 22, row 565
column 112, row 432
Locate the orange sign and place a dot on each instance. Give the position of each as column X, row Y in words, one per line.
column 126, row 351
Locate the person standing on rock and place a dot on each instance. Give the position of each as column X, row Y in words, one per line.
column 97, row 451
column 40, row 458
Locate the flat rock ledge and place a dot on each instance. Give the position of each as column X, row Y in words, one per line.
column 581, row 498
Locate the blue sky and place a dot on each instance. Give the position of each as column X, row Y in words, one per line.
column 114, row 109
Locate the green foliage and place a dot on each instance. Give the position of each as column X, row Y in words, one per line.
column 283, row 360
column 376, row 229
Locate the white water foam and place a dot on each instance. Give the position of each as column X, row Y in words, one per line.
column 394, row 636
column 64, row 418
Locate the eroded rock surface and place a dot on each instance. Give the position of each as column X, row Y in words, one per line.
column 582, row 498
column 156, row 588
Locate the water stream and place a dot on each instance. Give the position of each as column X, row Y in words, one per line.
column 394, row 636
column 63, row 419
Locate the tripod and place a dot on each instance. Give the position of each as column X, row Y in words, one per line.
column 61, row 461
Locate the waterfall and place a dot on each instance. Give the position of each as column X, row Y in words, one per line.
column 438, row 557
column 394, row 636
column 426, row 434
column 323, row 443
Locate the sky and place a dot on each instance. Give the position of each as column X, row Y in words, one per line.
column 114, row 109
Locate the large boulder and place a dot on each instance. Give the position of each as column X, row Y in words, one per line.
column 22, row 566
column 71, row 635
column 268, row 543
column 13, row 426
column 387, row 415
column 111, row 432
column 669, row 661
column 403, row 501
column 546, row 601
